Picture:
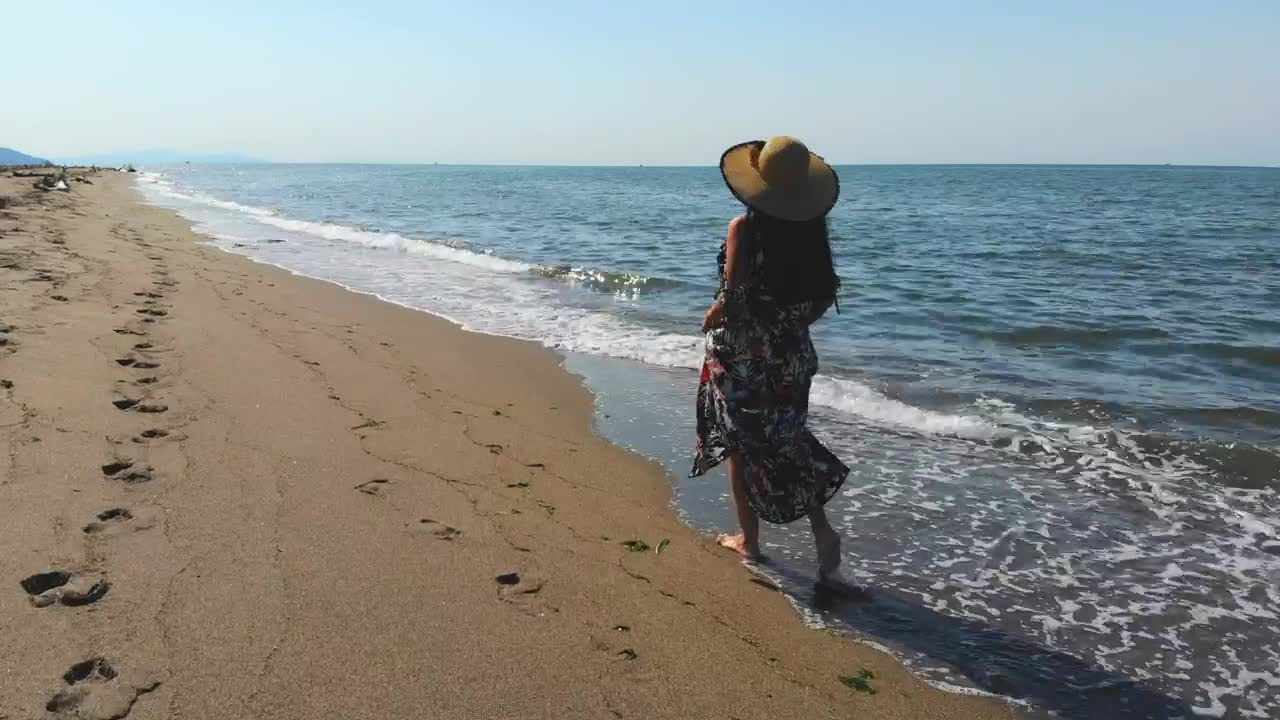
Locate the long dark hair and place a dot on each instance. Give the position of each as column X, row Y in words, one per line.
column 798, row 265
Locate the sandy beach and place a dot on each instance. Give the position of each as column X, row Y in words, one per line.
column 232, row 492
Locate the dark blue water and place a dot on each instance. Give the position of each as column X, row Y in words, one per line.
column 1059, row 386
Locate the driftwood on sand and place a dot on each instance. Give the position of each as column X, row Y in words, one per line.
column 52, row 182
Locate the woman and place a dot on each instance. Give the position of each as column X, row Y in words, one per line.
column 776, row 279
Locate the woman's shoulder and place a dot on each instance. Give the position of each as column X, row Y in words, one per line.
column 740, row 232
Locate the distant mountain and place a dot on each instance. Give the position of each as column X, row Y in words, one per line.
column 13, row 157
column 157, row 157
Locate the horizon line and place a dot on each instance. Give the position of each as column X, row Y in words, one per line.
column 688, row 166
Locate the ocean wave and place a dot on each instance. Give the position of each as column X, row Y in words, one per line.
column 604, row 280
column 1053, row 335
column 333, row 231
column 1137, row 458
column 1241, row 414
column 857, row 399
column 1264, row 355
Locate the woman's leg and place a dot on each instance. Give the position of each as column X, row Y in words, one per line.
column 827, row 541
column 747, row 543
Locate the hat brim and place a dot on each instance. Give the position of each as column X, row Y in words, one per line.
column 807, row 201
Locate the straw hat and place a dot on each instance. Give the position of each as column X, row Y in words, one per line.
column 780, row 178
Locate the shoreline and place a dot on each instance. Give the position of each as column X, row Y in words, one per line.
column 329, row 524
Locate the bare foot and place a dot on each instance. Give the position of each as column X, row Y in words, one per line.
column 738, row 544
column 835, row 582
column 829, row 575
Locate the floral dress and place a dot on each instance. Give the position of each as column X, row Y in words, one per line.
column 753, row 399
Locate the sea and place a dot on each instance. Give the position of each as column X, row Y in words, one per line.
column 1058, row 388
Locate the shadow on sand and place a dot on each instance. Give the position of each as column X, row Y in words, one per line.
column 990, row 659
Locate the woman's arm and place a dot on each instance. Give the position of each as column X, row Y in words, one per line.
column 733, row 264
column 733, row 272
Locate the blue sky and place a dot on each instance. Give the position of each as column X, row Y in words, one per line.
column 654, row 82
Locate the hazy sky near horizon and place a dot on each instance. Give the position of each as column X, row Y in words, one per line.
column 657, row 82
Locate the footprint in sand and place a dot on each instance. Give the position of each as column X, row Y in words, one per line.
column 138, row 363
column 522, row 592
column 139, row 406
column 147, row 294
column 59, row 586
column 108, row 519
column 374, row 486
column 513, row 583
column 441, row 531
column 127, row 331
column 146, row 380
column 127, row 472
column 121, row 520
column 59, row 298
column 143, row 346
column 94, row 690
column 155, row 312
column 151, row 434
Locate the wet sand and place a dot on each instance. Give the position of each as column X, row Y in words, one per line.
column 232, row 492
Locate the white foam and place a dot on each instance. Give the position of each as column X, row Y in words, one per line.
column 333, row 231
column 858, row 399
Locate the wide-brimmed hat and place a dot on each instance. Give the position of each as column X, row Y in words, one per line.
column 780, row 178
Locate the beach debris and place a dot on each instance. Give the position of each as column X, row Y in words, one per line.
column 635, row 545
column 510, row 578
column 622, row 628
column 518, row 485
column 662, row 545
column 369, row 423
column 860, row 682
column 51, row 181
